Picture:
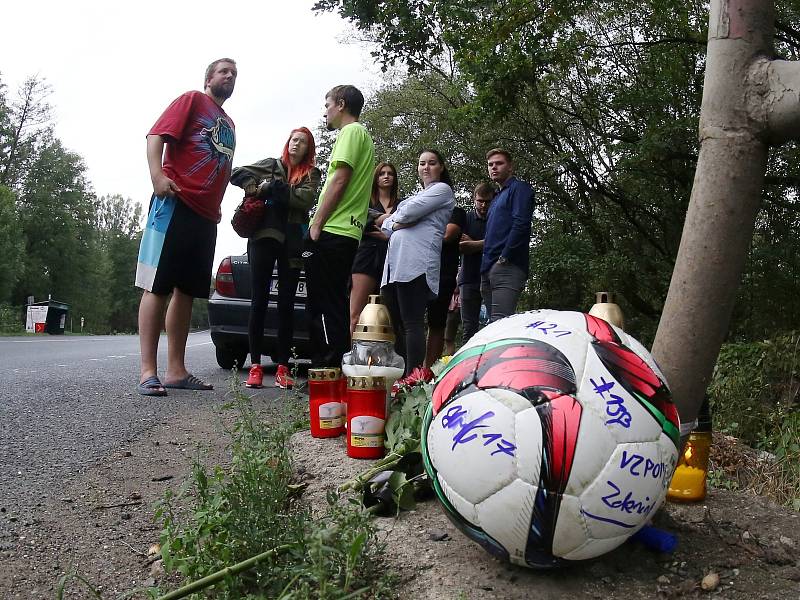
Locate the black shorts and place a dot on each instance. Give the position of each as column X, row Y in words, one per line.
column 369, row 259
column 187, row 256
column 437, row 308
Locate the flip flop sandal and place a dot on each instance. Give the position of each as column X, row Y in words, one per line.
column 151, row 386
column 190, row 382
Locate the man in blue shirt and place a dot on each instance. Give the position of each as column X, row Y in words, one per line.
column 504, row 264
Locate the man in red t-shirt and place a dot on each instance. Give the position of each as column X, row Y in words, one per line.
column 177, row 251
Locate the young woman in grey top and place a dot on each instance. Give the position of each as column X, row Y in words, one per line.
column 411, row 272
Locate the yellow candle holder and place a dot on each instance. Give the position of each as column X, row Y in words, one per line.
column 689, row 481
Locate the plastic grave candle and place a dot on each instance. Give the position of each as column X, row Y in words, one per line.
column 366, row 416
column 325, row 402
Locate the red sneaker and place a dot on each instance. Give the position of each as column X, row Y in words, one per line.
column 283, row 378
column 255, row 378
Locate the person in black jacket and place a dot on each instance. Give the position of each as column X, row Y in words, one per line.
column 448, row 272
column 471, row 248
column 371, row 254
column 289, row 184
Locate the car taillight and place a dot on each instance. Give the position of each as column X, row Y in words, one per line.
column 224, row 280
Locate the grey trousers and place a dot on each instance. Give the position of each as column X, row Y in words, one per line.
column 471, row 300
column 501, row 287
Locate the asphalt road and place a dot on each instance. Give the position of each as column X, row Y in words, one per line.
column 66, row 402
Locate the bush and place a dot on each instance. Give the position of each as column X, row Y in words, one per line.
column 754, row 397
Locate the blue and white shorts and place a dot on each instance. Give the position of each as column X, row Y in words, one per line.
column 177, row 250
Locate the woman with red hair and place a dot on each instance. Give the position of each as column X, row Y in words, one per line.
column 289, row 186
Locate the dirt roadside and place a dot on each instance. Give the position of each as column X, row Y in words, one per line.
column 752, row 544
column 102, row 524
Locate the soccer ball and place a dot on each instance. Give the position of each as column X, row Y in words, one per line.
column 551, row 437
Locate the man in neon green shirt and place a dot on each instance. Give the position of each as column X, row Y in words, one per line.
column 336, row 227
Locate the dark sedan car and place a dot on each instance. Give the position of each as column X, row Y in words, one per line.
column 229, row 310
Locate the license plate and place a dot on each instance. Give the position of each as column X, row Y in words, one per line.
column 300, row 292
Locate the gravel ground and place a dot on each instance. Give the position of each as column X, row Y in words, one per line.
column 83, row 457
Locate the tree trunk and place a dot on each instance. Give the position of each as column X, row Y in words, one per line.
column 737, row 107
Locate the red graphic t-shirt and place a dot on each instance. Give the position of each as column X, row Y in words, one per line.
column 200, row 142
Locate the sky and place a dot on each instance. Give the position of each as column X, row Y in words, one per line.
column 114, row 67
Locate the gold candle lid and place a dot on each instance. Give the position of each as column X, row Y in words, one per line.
column 374, row 323
column 328, row 374
column 366, row 382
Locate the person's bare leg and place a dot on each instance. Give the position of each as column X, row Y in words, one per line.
column 151, row 320
column 363, row 286
column 435, row 345
column 179, row 316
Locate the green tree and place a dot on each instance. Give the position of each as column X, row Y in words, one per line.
column 11, row 245
column 6, row 128
column 56, row 237
column 119, row 226
column 428, row 110
column 58, row 211
column 21, row 123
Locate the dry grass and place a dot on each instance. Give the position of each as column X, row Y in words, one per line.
column 759, row 472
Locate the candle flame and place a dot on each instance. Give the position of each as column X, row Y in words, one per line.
column 369, row 361
column 688, row 454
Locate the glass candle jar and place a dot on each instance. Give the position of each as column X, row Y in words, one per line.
column 688, row 484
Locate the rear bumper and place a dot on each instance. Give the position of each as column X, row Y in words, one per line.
column 228, row 318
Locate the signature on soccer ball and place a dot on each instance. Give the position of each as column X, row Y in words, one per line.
column 466, row 431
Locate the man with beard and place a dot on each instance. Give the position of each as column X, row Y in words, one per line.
column 336, row 227
column 504, row 264
column 177, row 249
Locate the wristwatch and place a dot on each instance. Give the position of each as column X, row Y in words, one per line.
column 502, row 260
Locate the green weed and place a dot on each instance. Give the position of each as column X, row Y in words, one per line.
column 255, row 506
column 719, row 479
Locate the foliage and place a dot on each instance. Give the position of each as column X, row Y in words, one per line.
column 755, row 397
column 119, row 227
column 755, row 385
column 405, row 416
column 21, row 123
column 407, row 115
column 253, row 506
column 718, row 479
column 62, row 248
column 599, row 104
column 11, row 320
column 10, row 244
column 199, row 313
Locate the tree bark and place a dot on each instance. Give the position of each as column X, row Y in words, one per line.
column 781, row 98
column 734, row 138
